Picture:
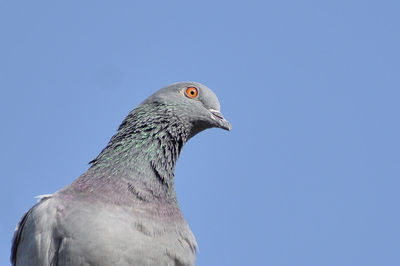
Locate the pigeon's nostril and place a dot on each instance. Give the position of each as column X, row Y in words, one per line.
column 217, row 113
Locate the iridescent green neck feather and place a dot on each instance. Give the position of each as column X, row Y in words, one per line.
column 144, row 151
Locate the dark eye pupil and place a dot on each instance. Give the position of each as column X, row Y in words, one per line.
column 192, row 92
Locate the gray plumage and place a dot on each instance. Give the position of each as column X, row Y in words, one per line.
column 123, row 210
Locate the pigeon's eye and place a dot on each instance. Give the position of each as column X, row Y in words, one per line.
column 191, row 92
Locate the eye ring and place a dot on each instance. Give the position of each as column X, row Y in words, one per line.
column 191, row 92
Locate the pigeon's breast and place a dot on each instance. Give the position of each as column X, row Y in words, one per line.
column 109, row 234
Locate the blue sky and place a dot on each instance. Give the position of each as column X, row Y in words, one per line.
column 309, row 175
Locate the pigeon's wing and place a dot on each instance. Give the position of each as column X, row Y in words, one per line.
column 17, row 236
column 34, row 241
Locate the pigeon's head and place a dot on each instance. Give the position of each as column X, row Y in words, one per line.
column 193, row 103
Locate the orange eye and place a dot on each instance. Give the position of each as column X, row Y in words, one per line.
column 191, row 92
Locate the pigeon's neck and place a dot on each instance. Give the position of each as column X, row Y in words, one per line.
column 144, row 151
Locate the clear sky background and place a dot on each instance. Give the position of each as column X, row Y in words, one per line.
column 309, row 175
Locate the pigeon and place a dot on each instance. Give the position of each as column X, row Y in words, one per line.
column 123, row 210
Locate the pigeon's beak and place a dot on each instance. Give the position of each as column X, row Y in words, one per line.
column 220, row 120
